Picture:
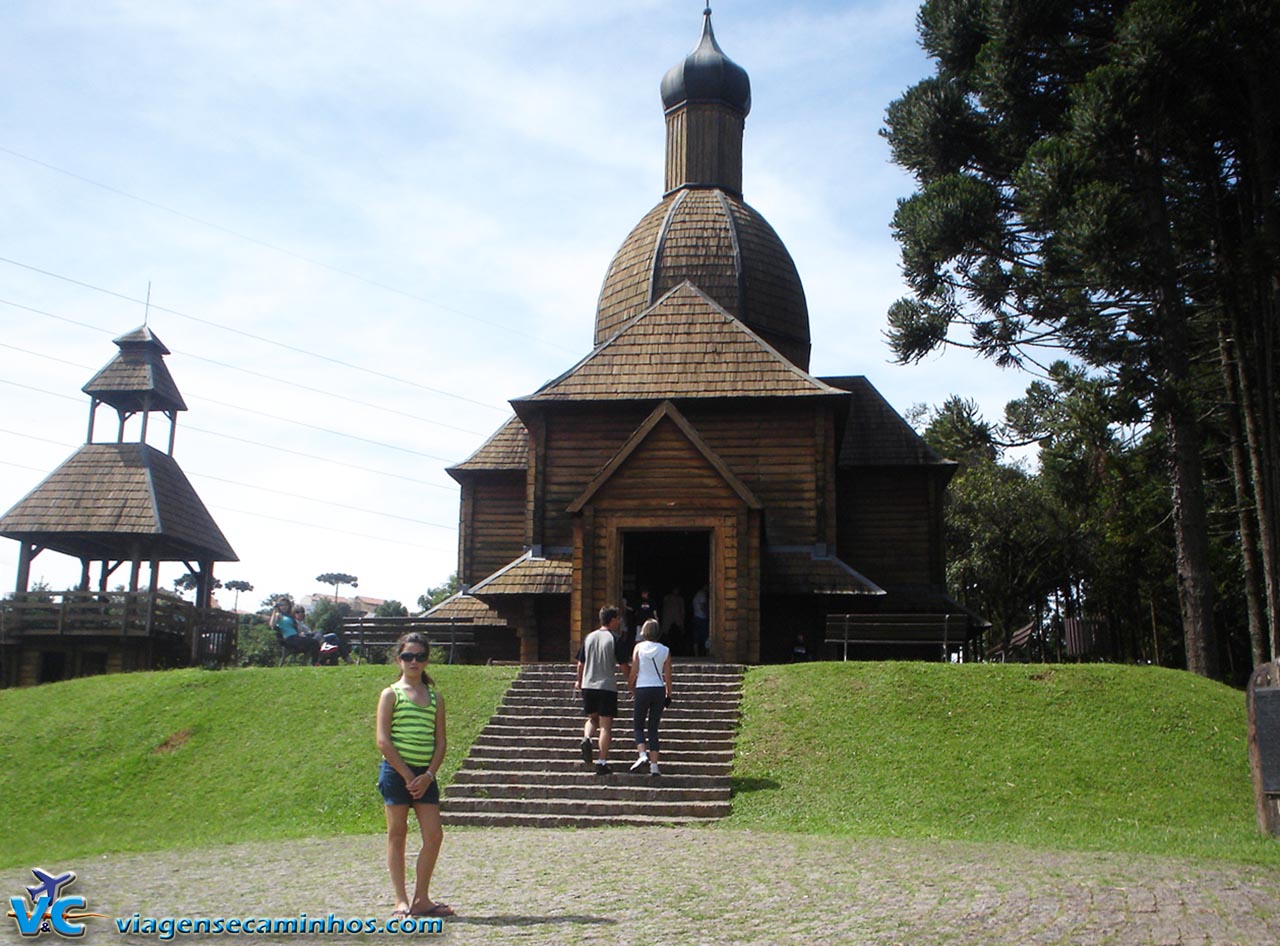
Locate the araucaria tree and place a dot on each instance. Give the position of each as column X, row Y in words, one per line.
column 237, row 586
column 337, row 580
column 1101, row 178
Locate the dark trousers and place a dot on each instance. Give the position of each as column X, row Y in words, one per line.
column 648, row 713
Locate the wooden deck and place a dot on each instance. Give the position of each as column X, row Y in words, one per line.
column 173, row 631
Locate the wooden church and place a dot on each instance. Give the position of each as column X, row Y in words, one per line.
column 692, row 449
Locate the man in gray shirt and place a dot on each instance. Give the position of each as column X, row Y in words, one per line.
column 598, row 662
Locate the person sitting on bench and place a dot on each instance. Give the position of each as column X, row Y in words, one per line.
column 290, row 638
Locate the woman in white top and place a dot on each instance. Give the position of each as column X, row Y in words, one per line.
column 650, row 680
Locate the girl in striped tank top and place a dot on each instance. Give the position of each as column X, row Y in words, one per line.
column 412, row 742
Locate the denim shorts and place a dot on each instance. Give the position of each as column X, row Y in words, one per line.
column 395, row 792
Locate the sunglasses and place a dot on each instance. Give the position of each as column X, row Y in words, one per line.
column 417, row 656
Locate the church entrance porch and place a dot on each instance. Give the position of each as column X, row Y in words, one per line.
column 672, row 565
column 632, row 551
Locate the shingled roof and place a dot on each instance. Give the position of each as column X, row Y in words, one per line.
column 136, row 378
column 465, row 609
column 507, row 449
column 118, row 501
column 528, row 575
column 684, row 346
column 807, row 571
column 876, row 434
column 725, row 248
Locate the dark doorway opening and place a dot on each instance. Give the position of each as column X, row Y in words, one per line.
column 672, row 565
column 53, row 666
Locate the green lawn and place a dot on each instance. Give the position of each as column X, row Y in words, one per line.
column 185, row 758
column 1095, row 756
column 1083, row 757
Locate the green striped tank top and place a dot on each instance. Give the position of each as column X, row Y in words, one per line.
column 413, row 728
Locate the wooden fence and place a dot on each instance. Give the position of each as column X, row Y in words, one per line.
column 206, row 635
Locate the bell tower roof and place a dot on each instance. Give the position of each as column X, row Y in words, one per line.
column 137, row 379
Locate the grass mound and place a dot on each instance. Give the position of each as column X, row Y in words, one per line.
column 187, row 758
column 1138, row 759
column 1096, row 757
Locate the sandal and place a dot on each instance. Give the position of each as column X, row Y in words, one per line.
column 400, row 914
column 436, row 910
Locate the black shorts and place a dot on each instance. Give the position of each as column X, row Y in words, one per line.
column 601, row 702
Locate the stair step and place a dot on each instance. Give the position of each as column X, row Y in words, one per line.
column 512, row 732
column 515, row 820
column 572, row 699
column 580, row 806
column 691, row 681
column 577, row 766
column 602, row 789
column 570, row 721
column 553, row 714
column 542, row 754
column 464, row 779
column 525, row 767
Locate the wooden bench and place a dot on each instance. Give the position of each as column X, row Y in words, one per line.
column 365, row 632
column 924, row 630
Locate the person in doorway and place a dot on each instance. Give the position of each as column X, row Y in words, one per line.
column 597, row 664
column 645, row 610
column 673, row 619
column 650, row 680
column 625, row 632
column 701, row 623
column 799, row 648
column 411, row 738
column 286, row 628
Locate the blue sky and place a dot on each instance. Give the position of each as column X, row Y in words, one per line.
column 367, row 226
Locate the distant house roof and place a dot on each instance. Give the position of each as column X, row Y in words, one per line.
column 507, row 449
column 876, row 434
column 683, row 346
column 118, row 501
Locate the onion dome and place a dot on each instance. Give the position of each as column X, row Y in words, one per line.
column 707, row 75
column 726, row 249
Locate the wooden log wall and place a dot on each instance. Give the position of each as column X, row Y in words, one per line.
column 494, row 524
column 774, row 450
column 578, row 443
column 887, row 525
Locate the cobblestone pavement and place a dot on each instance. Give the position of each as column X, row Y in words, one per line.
column 695, row 886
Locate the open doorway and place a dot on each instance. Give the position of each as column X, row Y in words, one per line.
column 672, row 565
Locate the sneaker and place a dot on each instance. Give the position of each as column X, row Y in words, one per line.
column 639, row 763
column 603, row 769
column 587, row 755
column 653, row 771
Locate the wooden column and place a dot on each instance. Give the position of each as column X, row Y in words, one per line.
column 25, row 554
column 528, row 632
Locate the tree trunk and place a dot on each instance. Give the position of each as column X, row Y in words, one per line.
column 1170, row 338
column 1190, row 527
column 1259, row 634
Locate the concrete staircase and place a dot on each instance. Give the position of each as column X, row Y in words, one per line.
column 526, row 767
